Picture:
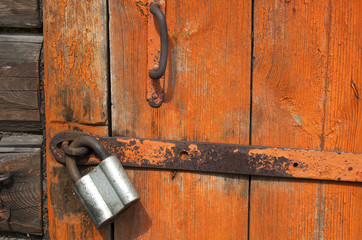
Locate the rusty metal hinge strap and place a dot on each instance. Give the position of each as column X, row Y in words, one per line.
column 222, row 158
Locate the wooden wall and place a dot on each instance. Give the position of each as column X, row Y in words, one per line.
column 20, row 119
column 20, row 156
column 20, row 44
column 19, row 82
column 19, row 14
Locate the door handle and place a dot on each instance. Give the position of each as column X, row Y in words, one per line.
column 161, row 19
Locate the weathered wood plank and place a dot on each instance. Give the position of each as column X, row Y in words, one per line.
column 306, row 56
column 76, row 73
column 24, row 196
column 9, row 121
column 33, row 141
column 20, row 143
column 22, row 38
column 5, row 237
column 18, row 150
column 25, row 100
column 19, row 13
column 19, row 82
column 206, row 98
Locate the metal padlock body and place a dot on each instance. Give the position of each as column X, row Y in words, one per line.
column 106, row 191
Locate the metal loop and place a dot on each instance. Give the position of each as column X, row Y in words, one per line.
column 158, row 73
column 92, row 143
column 72, row 168
column 72, row 151
column 70, row 136
column 88, row 142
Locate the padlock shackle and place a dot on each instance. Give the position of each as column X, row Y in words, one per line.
column 93, row 144
column 88, row 142
column 72, row 168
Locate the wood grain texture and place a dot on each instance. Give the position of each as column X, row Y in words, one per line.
column 20, row 143
column 181, row 205
column 75, row 44
column 19, row 14
column 343, row 108
column 12, row 238
column 75, row 35
column 304, row 209
column 207, row 86
column 24, row 196
column 306, row 56
column 19, row 82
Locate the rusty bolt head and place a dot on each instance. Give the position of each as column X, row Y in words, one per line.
column 154, row 95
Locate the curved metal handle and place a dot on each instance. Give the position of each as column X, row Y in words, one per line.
column 158, row 73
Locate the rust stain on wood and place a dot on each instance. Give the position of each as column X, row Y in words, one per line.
column 77, row 59
column 19, row 82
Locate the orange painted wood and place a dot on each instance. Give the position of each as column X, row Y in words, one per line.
column 75, row 43
column 298, row 209
column 343, row 111
column 75, row 39
column 207, row 85
column 306, row 56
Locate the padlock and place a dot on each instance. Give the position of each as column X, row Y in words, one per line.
column 106, row 191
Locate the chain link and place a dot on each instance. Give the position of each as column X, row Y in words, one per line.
column 75, row 151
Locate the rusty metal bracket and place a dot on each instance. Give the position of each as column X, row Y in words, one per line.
column 222, row 158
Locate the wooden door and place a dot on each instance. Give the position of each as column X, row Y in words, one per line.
column 306, row 72
column 201, row 78
column 271, row 73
